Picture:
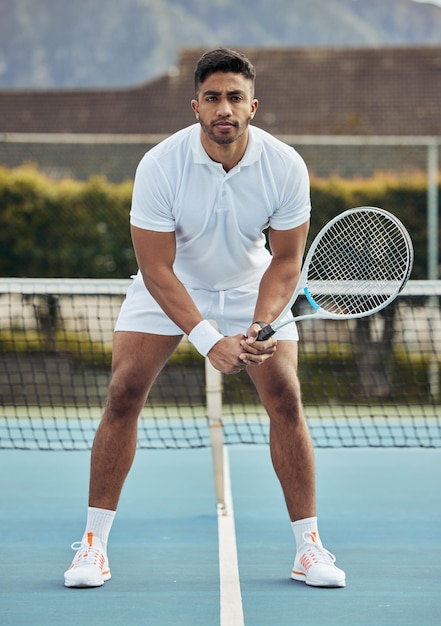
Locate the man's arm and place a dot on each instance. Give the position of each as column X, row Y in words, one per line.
column 155, row 253
column 281, row 277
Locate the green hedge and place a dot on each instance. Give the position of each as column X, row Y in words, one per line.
column 72, row 229
column 65, row 229
column 405, row 196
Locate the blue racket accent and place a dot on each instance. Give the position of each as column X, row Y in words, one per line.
column 309, row 298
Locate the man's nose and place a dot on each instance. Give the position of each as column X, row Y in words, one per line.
column 224, row 108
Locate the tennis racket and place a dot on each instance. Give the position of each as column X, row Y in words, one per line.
column 356, row 266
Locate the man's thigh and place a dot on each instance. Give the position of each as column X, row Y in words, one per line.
column 139, row 357
column 276, row 379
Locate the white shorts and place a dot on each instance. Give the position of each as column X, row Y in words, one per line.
column 232, row 310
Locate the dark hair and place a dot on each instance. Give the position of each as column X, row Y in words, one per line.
column 222, row 60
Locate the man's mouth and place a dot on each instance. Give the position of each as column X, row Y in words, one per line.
column 224, row 124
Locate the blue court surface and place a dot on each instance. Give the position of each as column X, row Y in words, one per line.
column 379, row 513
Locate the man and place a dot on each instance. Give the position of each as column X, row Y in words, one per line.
column 201, row 200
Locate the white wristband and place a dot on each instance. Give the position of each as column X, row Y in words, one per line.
column 204, row 336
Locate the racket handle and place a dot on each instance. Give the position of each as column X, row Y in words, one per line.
column 266, row 332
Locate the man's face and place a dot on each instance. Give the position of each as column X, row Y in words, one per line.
column 225, row 106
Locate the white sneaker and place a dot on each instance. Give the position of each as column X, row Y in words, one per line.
column 315, row 566
column 90, row 567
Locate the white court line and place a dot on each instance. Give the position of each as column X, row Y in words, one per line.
column 231, row 609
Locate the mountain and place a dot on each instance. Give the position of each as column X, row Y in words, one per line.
column 100, row 43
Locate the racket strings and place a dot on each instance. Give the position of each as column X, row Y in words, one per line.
column 358, row 264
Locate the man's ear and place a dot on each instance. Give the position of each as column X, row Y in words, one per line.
column 195, row 107
column 254, row 106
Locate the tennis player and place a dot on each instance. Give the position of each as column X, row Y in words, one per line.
column 201, row 200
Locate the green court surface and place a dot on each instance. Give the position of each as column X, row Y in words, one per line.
column 379, row 513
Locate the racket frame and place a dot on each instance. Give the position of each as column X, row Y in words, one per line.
column 302, row 284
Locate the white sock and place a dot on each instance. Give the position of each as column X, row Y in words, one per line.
column 99, row 522
column 309, row 525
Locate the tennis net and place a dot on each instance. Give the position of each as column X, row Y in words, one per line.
column 368, row 382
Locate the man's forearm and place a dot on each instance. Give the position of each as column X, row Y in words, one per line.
column 276, row 288
column 174, row 300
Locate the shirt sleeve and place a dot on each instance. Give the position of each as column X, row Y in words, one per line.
column 152, row 198
column 294, row 206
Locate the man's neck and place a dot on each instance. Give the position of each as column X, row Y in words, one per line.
column 228, row 155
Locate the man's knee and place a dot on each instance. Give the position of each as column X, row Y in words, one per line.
column 126, row 397
column 284, row 403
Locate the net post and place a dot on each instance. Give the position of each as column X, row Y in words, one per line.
column 433, row 256
column 432, row 210
column 213, row 388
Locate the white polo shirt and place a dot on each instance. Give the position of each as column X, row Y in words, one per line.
column 219, row 216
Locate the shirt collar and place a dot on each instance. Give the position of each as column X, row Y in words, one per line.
column 252, row 153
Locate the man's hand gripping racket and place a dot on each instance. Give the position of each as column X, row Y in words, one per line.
column 356, row 266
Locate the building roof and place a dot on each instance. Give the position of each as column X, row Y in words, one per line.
column 316, row 91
